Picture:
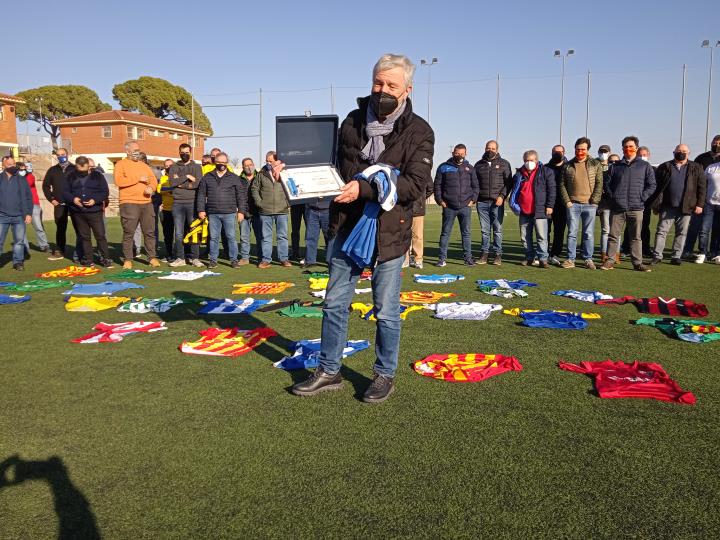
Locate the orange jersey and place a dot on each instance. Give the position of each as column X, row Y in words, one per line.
column 261, row 288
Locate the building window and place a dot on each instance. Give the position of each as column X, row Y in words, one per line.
column 175, row 136
column 140, row 133
column 107, row 132
column 159, row 133
column 73, row 130
column 2, row 113
column 131, row 132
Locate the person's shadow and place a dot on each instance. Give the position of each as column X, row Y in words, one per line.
column 75, row 516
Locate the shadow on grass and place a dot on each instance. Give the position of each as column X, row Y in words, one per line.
column 75, row 517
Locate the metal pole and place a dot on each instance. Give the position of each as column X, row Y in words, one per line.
column 587, row 106
column 707, row 122
column 562, row 96
column 192, row 123
column 429, row 82
column 332, row 99
column 260, row 131
column 682, row 104
column 497, row 110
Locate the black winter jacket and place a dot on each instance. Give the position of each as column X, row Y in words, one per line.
column 94, row 187
column 495, row 178
column 225, row 194
column 629, row 185
column 695, row 186
column 456, row 185
column 408, row 148
column 53, row 184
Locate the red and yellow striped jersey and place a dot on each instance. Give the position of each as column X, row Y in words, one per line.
column 472, row 367
column 261, row 288
column 227, row 341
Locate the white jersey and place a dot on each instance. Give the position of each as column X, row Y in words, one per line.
column 188, row 276
column 465, row 311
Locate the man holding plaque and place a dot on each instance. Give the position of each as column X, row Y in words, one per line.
column 385, row 154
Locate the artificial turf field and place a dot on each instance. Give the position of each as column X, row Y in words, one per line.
column 138, row 440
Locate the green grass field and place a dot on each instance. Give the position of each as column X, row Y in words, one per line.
column 137, row 440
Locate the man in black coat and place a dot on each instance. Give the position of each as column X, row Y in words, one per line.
column 53, row 186
column 383, row 131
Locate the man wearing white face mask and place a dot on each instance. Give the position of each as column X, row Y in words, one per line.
column 603, row 211
column 533, row 198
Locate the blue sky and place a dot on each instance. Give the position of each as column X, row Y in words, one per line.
column 634, row 50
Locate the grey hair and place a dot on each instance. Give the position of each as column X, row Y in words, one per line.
column 127, row 145
column 390, row 61
column 529, row 153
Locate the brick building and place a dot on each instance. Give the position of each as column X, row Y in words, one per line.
column 8, row 127
column 102, row 136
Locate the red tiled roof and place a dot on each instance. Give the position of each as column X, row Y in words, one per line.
column 7, row 98
column 126, row 117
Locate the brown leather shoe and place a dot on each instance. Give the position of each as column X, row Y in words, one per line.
column 127, row 265
column 154, row 263
column 243, row 262
column 286, row 264
column 263, row 265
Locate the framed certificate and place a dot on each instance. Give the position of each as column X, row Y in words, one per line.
column 308, row 145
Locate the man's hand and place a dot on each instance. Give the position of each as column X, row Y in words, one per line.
column 568, row 204
column 77, row 201
column 499, row 201
column 698, row 210
column 471, row 203
column 149, row 191
column 55, row 202
column 202, row 215
column 90, row 202
column 443, row 204
column 548, row 211
column 28, row 220
column 240, row 216
column 277, row 166
column 191, row 177
column 350, row 192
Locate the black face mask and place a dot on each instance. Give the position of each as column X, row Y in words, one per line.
column 489, row 155
column 458, row 159
column 557, row 157
column 383, row 104
column 220, row 166
column 680, row 156
column 715, row 148
column 185, row 156
column 11, row 170
column 82, row 174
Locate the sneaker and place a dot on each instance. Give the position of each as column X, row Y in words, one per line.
column 19, row 267
column 27, row 255
column 701, row 258
column 286, row 263
column 716, row 259
column 590, row 265
column 609, row 264
column 308, row 265
column 535, row 262
column 405, row 264
column 655, row 261
column 197, row 263
column 127, row 265
column 234, row 264
column 45, row 249
column 483, row 259
column 544, row 264
column 154, row 263
column 469, row 262
column 243, row 262
column 568, row 264
column 318, row 382
column 418, row 265
column 177, row 263
column 525, row 262
column 675, row 262
column 106, row 263
column 497, row 261
column 379, row 390
column 56, row 255
column 212, row 264
column 641, row 268
column 441, row 263
column 554, row 261
column 263, row 265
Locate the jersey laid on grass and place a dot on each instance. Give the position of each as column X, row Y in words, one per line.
column 112, row 333
column 307, row 354
column 367, row 311
column 188, row 276
column 7, row 283
column 465, row 367
column 233, row 307
column 504, row 293
column 637, row 380
column 690, row 330
column 517, row 312
column 317, row 284
column 150, row 305
column 553, row 319
column 39, row 285
column 138, row 274
column 505, row 283
column 198, row 233
column 321, row 294
column 13, row 298
column 227, row 341
column 71, row 271
column 297, row 310
column 420, row 297
column 366, row 275
column 660, row 306
column 106, row 288
column 438, row 278
column 94, row 303
column 465, row 311
column 585, row 296
column 261, row 287
column 316, row 275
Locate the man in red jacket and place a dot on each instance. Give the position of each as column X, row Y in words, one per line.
column 26, row 170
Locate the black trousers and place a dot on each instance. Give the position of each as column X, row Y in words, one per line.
column 297, row 213
column 88, row 222
column 559, row 224
column 60, row 212
column 168, row 228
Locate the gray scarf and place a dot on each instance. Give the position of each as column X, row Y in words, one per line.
column 375, row 130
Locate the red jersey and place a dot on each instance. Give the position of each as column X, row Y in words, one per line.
column 526, row 196
column 638, row 380
column 660, row 306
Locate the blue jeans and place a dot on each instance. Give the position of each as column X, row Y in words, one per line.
column 604, row 229
column 710, row 231
column 491, row 219
column 315, row 221
column 344, row 274
column 39, row 229
column 585, row 213
column 183, row 215
column 17, row 223
column 246, row 225
column 448, row 219
column 528, row 224
column 228, row 223
column 281, row 229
